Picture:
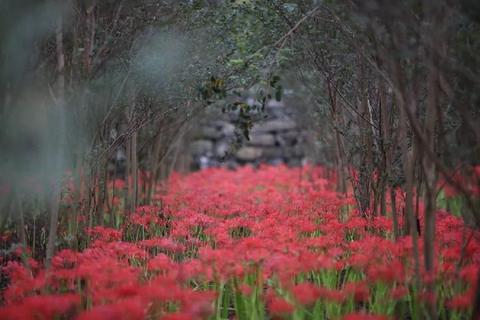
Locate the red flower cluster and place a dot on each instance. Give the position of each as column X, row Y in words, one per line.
column 279, row 234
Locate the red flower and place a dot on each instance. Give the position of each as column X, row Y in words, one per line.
column 125, row 310
column 41, row 307
column 64, row 259
column 399, row 292
column 280, row 306
column 462, row 301
column 118, row 184
column 245, row 289
column 359, row 290
column 387, row 273
column 306, row 293
column 161, row 262
column 104, row 234
column 225, row 225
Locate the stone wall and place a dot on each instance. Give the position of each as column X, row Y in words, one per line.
column 275, row 138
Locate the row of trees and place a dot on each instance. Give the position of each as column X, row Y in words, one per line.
column 395, row 85
column 88, row 84
column 81, row 79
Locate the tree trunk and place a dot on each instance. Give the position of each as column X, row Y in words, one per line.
column 430, row 182
column 89, row 38
column 154, row 164
column 393, row 203
column 385, row 147
column 339, row 151
column 409, row 170
column 476, row 299
column 54, row 198
column 20, row 224
column 134, row 170
column 366, row 156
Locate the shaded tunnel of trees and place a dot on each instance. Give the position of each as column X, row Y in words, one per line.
column 387, row 91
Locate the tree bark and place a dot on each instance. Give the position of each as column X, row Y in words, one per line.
column 366, row 156
column 430, row 182
column 54, row 198
column 393, row 203
column 408, row 168
column 134, row 172
column 339, row 151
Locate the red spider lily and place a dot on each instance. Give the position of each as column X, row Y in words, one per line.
column 117, row 184
column 333, row 295
column 194, row 269
column 142, row 220
column 226, row 226
column 163, row 243
column 125, row 310
column 359, row 290
column 356, row 223
column 393, row 272
column 399, row 292
column 469, row 273
column 306, row 293
column 245, row 289
column 461, row 301
column 161, row 262
column 104, row 234
column 64, row 259
column 41, row 307
column 146, row 215
column 278, row 306
column 22, row 283
column 198, row 304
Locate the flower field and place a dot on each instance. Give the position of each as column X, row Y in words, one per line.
column 272, row 243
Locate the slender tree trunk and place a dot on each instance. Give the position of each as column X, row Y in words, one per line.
column 53, row 208
column 339, row 151
column 408, row 168
column 384, row 146
column 476, row 299
column 54, row 199
column 79, row 197
column 366, row 157
column 20, row 224
column 393, row 204
column 154, row 165
column 134, row 172
column 89, row 39
column 128, row 177
column 430, row 182
column 132, row 159
column 105, row 205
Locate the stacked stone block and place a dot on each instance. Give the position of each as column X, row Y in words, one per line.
column 275, row 138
